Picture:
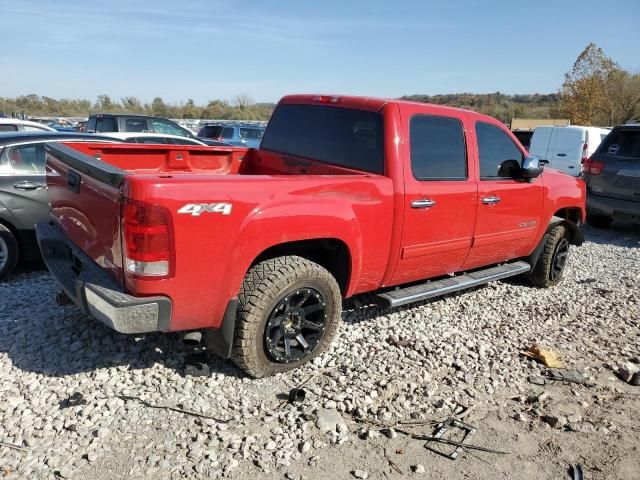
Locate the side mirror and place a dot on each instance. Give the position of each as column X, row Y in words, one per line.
column 531, row 168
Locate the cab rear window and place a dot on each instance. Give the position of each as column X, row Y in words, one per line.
column 339, row 136
column 622, row 143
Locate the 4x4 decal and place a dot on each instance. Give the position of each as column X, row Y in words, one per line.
column 196, row 209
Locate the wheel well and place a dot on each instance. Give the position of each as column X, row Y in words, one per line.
column 572, row 214
column 16, row 234
column 12, row 229
column 571, row 217
column 331, row 253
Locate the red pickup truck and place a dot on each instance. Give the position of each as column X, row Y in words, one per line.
column 257, row 247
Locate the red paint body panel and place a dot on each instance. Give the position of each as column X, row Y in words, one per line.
column 278, row 199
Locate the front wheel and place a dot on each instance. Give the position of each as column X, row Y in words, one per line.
column 289, row 311
column 549, row 269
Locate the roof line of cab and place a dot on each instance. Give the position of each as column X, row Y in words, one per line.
column 366, row 103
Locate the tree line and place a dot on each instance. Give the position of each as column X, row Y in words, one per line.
column 240, row 108
column 595, row 91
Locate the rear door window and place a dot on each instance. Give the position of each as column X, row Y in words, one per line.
column 340, row 136
column 106, row 124
column 25, row 159
column 211, row 131
column 8, row 128
column 499, row 155
column 251, row 133
column 622, row 144
column 438, row 149
column 136, row 125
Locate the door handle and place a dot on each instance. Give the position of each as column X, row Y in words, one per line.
column 27, row 185
column 490, row 200
column 424, row 203
column 562, row 154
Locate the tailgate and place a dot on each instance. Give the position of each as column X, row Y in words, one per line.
column 85, row 185
column 84, row 198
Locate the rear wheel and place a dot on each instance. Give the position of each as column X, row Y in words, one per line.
column 599, row 221
column 549, row 269
column 8, row 252
column 289, row 312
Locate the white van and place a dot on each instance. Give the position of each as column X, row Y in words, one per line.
column 564, row 148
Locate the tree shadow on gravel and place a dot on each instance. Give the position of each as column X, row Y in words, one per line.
column 618, row 234
column 40, row 337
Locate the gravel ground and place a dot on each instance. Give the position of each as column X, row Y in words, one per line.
column 63, row 378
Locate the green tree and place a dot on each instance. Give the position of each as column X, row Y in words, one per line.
column 158, row 107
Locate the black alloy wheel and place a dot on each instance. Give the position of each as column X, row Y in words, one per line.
column 295, row 326
column 559, row 259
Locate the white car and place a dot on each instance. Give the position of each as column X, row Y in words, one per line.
column 17, row 125
column 565, row 148
column 147, row 137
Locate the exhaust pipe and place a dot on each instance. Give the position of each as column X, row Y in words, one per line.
column 193, row 339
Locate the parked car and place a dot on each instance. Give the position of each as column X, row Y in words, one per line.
column 565, row 148
column 258, row 247
column 111, row 122
column 612, row 175
column 13, row 125
column 23, row 195
column 157, row 138
column 234, row 134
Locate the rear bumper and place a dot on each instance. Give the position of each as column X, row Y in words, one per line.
column 615, row 208
column 94, row 291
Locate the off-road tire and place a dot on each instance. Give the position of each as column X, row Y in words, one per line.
column 541, row 275
column 264, row 286
column 599, row 221
column 12, row 252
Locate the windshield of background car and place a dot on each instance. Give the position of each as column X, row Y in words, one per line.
column 622, row 143
column 164, row 126
column 251, row 133
column 340, row 136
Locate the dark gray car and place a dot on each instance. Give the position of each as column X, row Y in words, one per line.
column 23, row 192
column 612, row 175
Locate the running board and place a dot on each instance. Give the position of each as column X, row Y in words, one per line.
column 423, row 291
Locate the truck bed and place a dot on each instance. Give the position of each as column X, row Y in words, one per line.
column 225, row 204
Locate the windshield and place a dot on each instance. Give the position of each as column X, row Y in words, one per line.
column 340, row 136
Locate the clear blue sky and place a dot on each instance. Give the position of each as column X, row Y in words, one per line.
column 205, row 49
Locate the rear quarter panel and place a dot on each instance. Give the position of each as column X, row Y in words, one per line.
column 214, row 251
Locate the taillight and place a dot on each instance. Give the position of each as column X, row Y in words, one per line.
column 148, row 240
column 585, row 152
column 592, row 167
